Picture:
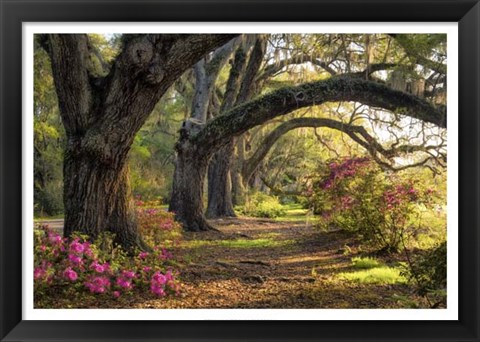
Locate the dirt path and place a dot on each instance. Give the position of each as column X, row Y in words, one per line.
column 55, row 224
column 257, row 263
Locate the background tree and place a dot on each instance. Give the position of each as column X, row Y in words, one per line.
column 197, row 149
column 355, row 56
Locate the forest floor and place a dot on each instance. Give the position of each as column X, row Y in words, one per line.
column 263, row 263
column 260, row 263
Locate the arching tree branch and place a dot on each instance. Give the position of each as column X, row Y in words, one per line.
column 254, row 63
column 276, row 191
column 69, row 55
column 274, row 68
column 357, row 133
column 336, row 89
column 103, row 120
column 206, row 72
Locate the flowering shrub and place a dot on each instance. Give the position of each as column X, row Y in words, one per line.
column 358, row 196
column 66, row 264
column 155, row 224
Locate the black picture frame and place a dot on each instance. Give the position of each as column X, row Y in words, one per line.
column 14, row 12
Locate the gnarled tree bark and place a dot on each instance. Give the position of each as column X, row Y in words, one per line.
column 187, row 193
column 186, row 172
column 101, row 116
column 220, row 200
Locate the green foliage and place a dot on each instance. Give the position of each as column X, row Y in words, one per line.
column 263, row 205
column 49, row 138
column 152, row 154
column 49, row 199
column 357, row 196
column 429, row 270
column 372, row 271
column 378, row 275
column 365, row 263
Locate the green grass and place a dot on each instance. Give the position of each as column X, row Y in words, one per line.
column 294, row 212
column 365, row 263
column 372, row 271
column 47, row 218
column 240, row 243
column 377, row 275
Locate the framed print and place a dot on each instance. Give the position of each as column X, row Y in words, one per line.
column 239, row 170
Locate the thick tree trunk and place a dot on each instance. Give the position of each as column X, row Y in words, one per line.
column 187, row 192
column 219, row 184
column 238, row 188
column 101, row 116
column 97, row 199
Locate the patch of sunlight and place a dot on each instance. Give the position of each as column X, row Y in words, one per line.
column 295, row 213
column 365, row 263
column 239, row 243
column 256, row 243
column 198, row 243
column 377, row 275
column 268, row 235
column 301, row 258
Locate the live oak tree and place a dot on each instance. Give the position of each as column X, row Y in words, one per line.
column 206, row 104
column 228, row 170
column 222, row 178
column 195, row 148
column 102, row 107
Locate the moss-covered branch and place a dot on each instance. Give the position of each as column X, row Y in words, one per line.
column 335, row 89
column 409, row 47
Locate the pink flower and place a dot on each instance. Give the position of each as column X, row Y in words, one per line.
column 167, row 225
column 74, row 258
column 70, row 274
column 128, row 274
column 143, row 255
column 98, row 284
column 116, row 294
column 147, row 269
column 87, row 250
column 97, row 267
column 55, row 239
column 77, row 247
column 124, row 283
column 165, row 255
column 159, row 278
column 38, row 272
column 157, row 290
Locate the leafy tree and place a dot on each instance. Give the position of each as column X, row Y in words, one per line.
column 49, row 140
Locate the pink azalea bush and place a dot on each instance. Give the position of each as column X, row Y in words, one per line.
column 356, row 195
column 157, row 225
column 76, row 263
